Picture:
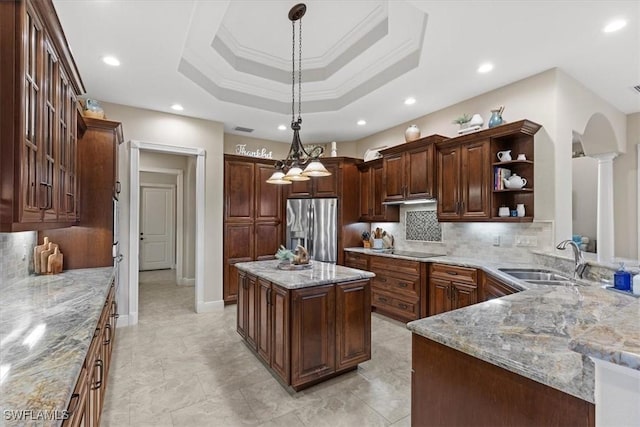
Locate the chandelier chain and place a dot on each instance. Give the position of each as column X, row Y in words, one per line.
column 293, row 70
column 300, row 71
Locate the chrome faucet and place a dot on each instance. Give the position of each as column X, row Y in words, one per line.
column 580, row 263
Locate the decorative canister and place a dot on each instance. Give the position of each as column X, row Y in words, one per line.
column 412, row 133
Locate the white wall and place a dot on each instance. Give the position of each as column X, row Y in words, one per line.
column 157, row 178
column 625, row 193
column 584, row 196
column 162, row 128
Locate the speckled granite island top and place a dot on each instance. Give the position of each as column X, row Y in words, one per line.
column 321, row 273
column 46, row 326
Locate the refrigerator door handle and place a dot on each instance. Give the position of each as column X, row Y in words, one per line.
column 311, row 230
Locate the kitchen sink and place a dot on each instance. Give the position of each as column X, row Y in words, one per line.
column 551, row 282
column 536, row 275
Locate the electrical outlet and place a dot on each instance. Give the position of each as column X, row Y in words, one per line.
column 526, row 241
column 496, row 240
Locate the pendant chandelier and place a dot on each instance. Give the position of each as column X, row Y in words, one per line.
column 290, row 169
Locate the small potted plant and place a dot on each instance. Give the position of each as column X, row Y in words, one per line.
column 462, row 121
column 366, row 239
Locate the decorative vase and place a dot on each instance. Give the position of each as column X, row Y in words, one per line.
column 412, row 133
column 520, row 209
column 496, row 117
column 476, row 120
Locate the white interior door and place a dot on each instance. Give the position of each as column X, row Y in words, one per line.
column 157, row 228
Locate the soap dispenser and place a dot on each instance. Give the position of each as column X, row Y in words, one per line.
column 622, row 279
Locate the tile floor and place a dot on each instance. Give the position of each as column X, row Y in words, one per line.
column 178, row 368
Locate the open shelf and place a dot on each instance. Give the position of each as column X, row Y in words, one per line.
column 514, row 190
column 513, row 162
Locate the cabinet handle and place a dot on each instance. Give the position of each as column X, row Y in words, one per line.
column 382, row 279
column 448, row 292
column 381, row 299
column 452, row 273
column 71, row 409
column 462, row 207
column 269, row 302
column 403, row 306
column 403, row 284
column 107, row 339
column 100, row 365
column 114, row 310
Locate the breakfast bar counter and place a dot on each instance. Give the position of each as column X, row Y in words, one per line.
column 307, row 324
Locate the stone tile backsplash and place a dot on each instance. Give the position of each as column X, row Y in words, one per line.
column 423, row 226
column 491, row 241
column 16, row 255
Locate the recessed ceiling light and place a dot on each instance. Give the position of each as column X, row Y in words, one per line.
column 485, row 68
column 362, row 122
column 111, row 60
column 177, row 107
column 282, row 127
column 409, row 101
column 614, row 26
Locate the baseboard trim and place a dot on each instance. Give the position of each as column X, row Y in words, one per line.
column 184, row 281
column 210, row 306
column 125, row 320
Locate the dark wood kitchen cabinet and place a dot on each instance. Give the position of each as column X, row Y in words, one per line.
column 399, row 288
column 253, row 216
column 467, row 185
column 91, row 243
column 371, row 194
column 409, row 170
column 39, row 123
column 451, row 287
column 452, row 388
column 491, row 287
column 356, row 260
column 305, row 335
column 323, row 186
column 464, row 181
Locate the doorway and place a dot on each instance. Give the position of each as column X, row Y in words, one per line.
column 198, row 156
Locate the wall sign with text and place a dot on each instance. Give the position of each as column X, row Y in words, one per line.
column 262, row 153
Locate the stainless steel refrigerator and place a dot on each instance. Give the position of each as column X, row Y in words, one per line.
column 312, row 223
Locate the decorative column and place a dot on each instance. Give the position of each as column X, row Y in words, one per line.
column 605, row 230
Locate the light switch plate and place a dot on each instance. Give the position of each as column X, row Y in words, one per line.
column 496, row 240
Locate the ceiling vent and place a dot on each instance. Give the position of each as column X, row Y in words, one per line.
column 241, row 129
column 637, row 88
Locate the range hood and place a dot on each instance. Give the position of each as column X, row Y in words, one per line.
column 410, row 202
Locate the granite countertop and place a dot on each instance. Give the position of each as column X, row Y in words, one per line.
column 321, row 273
column 544, row 333
column 46, row 326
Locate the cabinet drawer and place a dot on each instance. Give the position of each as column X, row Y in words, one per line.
column 356, row 260
column 455, row 273
column 406, row 309
column 395, row 266
column 410, row 285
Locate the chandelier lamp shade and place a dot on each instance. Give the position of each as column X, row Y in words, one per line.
column 291, row 168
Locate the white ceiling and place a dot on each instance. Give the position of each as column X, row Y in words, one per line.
column 230, row 61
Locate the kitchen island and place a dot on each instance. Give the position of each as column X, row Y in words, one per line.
column 305, row 325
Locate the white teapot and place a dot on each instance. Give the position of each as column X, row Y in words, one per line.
column 514, row 181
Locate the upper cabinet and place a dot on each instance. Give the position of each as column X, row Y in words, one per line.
column 409, row 171
column 371, row 194
column 325, row 186
column 39, row 123
column 470, row 174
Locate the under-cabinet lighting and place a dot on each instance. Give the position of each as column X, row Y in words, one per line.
column 409, row 101
column 111, row 60
column 485, row 68
column 362, row 122
column 613, row 26
column 177, row 107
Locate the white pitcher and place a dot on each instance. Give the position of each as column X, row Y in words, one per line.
column 504, row 156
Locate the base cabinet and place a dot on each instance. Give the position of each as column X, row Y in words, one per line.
column 305, row 335
column 451, row 388
column 85, row 406
column 491, row 288
column 451, row 287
